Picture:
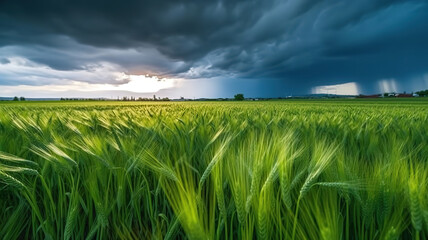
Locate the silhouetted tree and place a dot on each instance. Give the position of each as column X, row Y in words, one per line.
column 22, row 99
column 15, row 99
column 239, row 97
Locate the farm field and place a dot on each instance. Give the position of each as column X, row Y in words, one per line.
column 292, row 169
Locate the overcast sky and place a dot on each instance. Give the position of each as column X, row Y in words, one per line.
column 194, row 48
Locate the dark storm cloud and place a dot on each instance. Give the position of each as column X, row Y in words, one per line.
column 295, row 43
column 178, row 29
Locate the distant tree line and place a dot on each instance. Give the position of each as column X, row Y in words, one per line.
column 145, row 99
column 82, row 99
column 423, row 93
column 118, row 99
column 237, row 97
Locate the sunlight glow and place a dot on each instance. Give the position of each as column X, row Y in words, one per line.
column 137, row 84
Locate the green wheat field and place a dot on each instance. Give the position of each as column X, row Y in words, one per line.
column 293, row 169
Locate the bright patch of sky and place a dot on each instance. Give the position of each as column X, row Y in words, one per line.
column 350, row 88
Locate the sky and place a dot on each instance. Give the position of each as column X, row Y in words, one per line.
column 195, row 49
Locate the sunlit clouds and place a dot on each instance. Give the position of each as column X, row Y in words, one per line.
column 29, row 76
column 22, row 71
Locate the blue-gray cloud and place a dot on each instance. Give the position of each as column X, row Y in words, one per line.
column 273, row 45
